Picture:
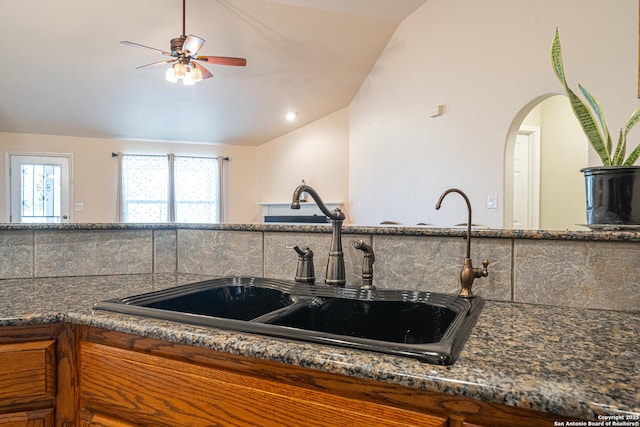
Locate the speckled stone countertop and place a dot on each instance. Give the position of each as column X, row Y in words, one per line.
column 611, row 233
column 571, row 362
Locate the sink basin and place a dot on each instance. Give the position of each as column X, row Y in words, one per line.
column 231, row 301
column 390, row 321
column 431, row 327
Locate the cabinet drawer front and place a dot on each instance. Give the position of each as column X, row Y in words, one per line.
column 40, row 418
column 147, row 389
column 27, row 372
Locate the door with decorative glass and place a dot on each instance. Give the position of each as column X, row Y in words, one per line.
column 39, row 188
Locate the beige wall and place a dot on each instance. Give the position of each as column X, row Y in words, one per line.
column 95, row 171
column 317, row 153
column 563, row 152
column 485, row 61
column 384, row 155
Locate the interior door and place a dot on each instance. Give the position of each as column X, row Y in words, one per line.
column 39, row 188
column 526, row 181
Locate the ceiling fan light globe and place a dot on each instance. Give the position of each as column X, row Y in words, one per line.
column 188, row 79
column 171, row 75
column 196, row 74
column 180, row 70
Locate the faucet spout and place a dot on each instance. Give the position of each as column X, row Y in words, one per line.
column 335, row 266
column 468, row 273
column 334, row 215
column 466, row 199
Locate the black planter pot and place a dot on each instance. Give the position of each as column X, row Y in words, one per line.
column 613, row 195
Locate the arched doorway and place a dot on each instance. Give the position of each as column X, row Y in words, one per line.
column 562, row 152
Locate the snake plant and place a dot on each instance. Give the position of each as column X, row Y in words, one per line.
column 598, row 136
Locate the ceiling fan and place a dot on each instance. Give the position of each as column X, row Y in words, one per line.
column 184, row 54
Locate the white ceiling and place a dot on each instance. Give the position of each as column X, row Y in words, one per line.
column 64, row 72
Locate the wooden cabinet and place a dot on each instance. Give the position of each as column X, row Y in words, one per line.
column 27, row 373
column 89, row 419
column 66, row 375
column 27, row 383
column 38, row 418
column 127, row 380
column 36, row 376
column 149, row 389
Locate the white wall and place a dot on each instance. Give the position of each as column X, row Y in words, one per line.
column 485, row 60
column 95, row 171
column 317, row 153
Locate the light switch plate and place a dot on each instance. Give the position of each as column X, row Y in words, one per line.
column 492, row 201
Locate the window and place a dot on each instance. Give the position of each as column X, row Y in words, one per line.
column 196, row 189
column 169, row 188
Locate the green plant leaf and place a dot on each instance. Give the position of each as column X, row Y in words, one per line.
column 633, row 157
column 556, row 58
column 580, row 110
column 595, row 105
column 599, row 137
column 621, row 150
column 633, row 120
column 589, row 126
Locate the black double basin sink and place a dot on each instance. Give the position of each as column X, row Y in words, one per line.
column 431, row 327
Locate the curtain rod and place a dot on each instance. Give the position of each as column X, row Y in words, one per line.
column 116, row 155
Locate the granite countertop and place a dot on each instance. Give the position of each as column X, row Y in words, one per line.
column 571, row 362
column 611, row 233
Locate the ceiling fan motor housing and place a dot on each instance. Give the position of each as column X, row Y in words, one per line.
column 176, row 45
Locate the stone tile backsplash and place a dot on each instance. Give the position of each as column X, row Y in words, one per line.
column 434, row 263
column 220, row 253
column 165, row 251
column 16, row 254
column 580, row 274
column 572, row 273
column 92, row 252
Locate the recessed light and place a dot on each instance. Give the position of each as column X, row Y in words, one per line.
column 291, row 116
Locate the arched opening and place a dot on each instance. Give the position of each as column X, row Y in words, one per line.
column 544, row 152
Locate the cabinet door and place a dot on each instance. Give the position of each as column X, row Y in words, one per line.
column 90, row 419
column 27, row 374
column 153, row 390
column 40, row 418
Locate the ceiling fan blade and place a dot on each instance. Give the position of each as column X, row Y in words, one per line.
column 223, row 60
column 153, row 64
column 192, row 45
column 205, row 73
column 128, row 43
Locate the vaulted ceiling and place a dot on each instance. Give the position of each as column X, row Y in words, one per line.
column 64, row 72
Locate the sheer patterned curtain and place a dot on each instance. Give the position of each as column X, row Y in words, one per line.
column 196, row 189
column 145, row 186
column 168, row 188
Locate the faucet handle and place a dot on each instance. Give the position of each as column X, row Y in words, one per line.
column 469, row 273
column 305, row 270
column 482, row 272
